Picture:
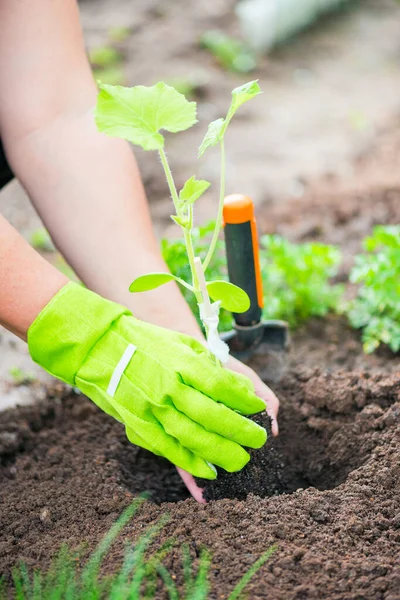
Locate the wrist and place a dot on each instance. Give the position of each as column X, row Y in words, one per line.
column 28, row 281
column 164, row 306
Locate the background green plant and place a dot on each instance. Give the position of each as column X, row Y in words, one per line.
column 297, row 278
column 377, row 307
column 139, row 577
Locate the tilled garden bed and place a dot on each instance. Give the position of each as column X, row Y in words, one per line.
column 326, row 492
column 67, row 472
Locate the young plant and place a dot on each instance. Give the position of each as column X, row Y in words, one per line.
column 21, row 377
column 106, row 63
column 231, row 53
column 139, row 114
column 377, row 307
column 297, row 279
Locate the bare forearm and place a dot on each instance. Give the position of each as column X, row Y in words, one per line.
column 85, row 186
column 88, row 191
column 27, row 281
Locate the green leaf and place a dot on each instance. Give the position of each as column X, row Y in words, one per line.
column 138, row 114
column 216, row 129
column 243, row 94
column 215, row 133
column 193, row 189
column 104, row 56
column 150, row 281
column 231, row 53
column 182, row 221
column 232, row 297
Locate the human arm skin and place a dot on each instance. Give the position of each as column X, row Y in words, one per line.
column 85, row 186
column 27, row 281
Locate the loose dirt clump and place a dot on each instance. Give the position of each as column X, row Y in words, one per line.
column 329, row 425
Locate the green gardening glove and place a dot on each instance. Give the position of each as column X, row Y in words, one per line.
column 163, row 386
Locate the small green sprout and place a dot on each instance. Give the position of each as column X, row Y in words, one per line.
column 104, row 56
column 139, row 115
column 232, row 54
column 106, row 62
column 21, row 377
column 377, row 307
column 118, row 34
column 297, row 279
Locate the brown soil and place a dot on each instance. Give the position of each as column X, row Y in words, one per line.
column 67, row 470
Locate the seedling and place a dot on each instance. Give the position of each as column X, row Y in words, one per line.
column 231, row 53
column 139, row 114
column 106, row 63
column 118, row 34
column 298, row 279
column 21, row 377
column 377, row 307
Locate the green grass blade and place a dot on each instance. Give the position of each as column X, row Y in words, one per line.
column 22, row 582
column 3, row 589
column 60, row 575
column 90, row 572
column 201, row 585
column 250, row 573
column 187, row 569
column 138, row 565
column 37, row 586
column 169, row 583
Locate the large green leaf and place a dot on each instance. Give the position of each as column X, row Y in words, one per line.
column 193, row 189
column 151, row 281
column 232, row 297
column 138, row 114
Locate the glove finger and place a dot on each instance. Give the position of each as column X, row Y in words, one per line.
column 212, row 447
column 153, row 437
column 218, row 418
column 234, row 390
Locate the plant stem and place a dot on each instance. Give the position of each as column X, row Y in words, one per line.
column 186, row 232
column 218, row 223
column 191, row 257
column 203, row 287
column 170, row 179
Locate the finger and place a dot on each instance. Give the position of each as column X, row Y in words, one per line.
column 217, row 418
column 211, row 447
column 272, row 402
column 153, row 437
column 234, row 390
column 261, row 389
column 195, row 491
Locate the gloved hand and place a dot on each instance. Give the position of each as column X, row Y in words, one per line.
column 164, row 386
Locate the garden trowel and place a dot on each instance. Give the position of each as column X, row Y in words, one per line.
column 263, row 344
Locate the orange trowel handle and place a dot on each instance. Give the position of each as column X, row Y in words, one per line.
column 243, row 255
